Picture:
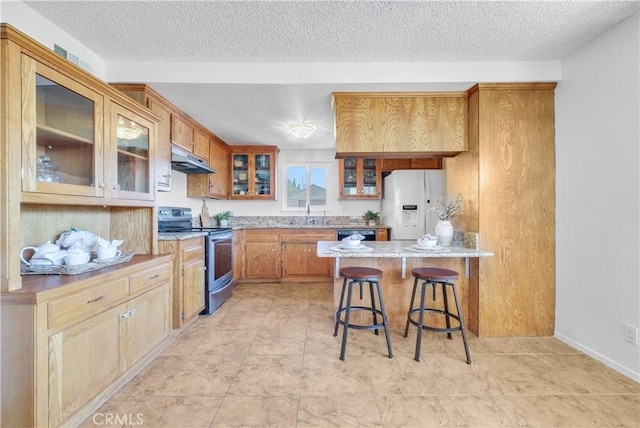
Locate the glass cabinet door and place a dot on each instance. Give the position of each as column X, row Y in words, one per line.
column 369, row 177
column 61, row 122
column 360, row 178
column 263, row 174
column 240, row 167
column 133, row 166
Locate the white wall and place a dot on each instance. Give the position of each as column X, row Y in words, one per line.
column 25, row 19
column 598, row 193
column 178, row 194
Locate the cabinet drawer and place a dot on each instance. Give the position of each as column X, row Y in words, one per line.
column 150, row 278
column 87, row 303
column 262, row 236
column 309, row 238
column 193, row 252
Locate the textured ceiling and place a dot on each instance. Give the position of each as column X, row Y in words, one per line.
column 319, row 32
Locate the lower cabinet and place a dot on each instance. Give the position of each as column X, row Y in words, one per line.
column 300, row 260
column 188, row 278
column 262, row 254
column 286, row 254
column 67, row 348
column 84, row 359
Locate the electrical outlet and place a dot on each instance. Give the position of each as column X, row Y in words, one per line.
column 631, row 334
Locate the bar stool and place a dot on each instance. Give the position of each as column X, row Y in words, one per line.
column 433, row 277
column 358, row 276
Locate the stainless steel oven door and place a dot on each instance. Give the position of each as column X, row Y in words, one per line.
column 219, row 277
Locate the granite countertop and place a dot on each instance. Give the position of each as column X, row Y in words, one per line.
column 395, row 249
column 305, row 226
column 179, row 236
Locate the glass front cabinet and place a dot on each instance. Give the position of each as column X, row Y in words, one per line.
column 62, row 133
column 360, row 178
column 132, row 177
column 253, row 172
column 74, row 141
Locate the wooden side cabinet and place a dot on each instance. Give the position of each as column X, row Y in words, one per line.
column 188, row 278
column 68, row 345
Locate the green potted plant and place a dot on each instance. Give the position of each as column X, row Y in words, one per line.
column 223, row 218
column 372, row 216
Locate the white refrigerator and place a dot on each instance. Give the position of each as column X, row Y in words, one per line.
column 406, row 197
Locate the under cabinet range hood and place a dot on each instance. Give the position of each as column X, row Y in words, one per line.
column 187, row 163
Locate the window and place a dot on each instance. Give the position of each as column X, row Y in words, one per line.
column 307, row 185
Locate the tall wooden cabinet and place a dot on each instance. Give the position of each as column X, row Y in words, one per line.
column 76, row 153
column 507, row 180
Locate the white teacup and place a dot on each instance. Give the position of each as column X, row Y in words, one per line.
column 74, row 258
column 106, row 253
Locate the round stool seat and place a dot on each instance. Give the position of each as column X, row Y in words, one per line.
column 360, row 273
column 434, row 273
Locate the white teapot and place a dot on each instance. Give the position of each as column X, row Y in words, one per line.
column 45, row 254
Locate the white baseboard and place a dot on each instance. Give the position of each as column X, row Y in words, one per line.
column 604, row 360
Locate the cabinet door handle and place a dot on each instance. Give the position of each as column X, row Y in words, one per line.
column 203, row 268
column 126, row 314
column 102, row 185
column 132, row 312
column 155, row 276
column 116, row 187
column 97, row 299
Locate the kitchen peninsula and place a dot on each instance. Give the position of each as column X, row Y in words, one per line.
column 396, row 259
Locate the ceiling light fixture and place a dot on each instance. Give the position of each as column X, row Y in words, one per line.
column 301, row 130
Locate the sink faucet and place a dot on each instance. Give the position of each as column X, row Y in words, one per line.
column 326, row 220
column 310, row 221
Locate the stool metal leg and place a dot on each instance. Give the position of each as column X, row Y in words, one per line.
column 420, row 321
column 344, row 286
column 464, row 335
column 373, row 305
column 385, row 323
column 413, row 297
column 447, row 319
column 345, row 328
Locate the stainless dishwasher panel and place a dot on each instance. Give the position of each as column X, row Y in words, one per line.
column 369, row 234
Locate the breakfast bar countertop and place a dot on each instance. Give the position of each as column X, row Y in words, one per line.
column 394, row 249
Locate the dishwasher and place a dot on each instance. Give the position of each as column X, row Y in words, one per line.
column 369, row 234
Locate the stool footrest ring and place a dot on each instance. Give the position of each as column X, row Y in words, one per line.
column 438, row 329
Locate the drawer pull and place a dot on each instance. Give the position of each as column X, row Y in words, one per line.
column 97, row 299
column 155, row 276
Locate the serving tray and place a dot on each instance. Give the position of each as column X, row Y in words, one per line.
column 93, row 264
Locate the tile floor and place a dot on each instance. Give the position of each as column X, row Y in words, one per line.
column 268, row 358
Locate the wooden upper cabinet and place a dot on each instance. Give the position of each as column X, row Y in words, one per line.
column 400, row 124
column 360, row 178
column 215, row 186
column 163, row 146
column 83, row 143
column 388, row 165
column 201, row 144
column 253, row 172
column 181, row 133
